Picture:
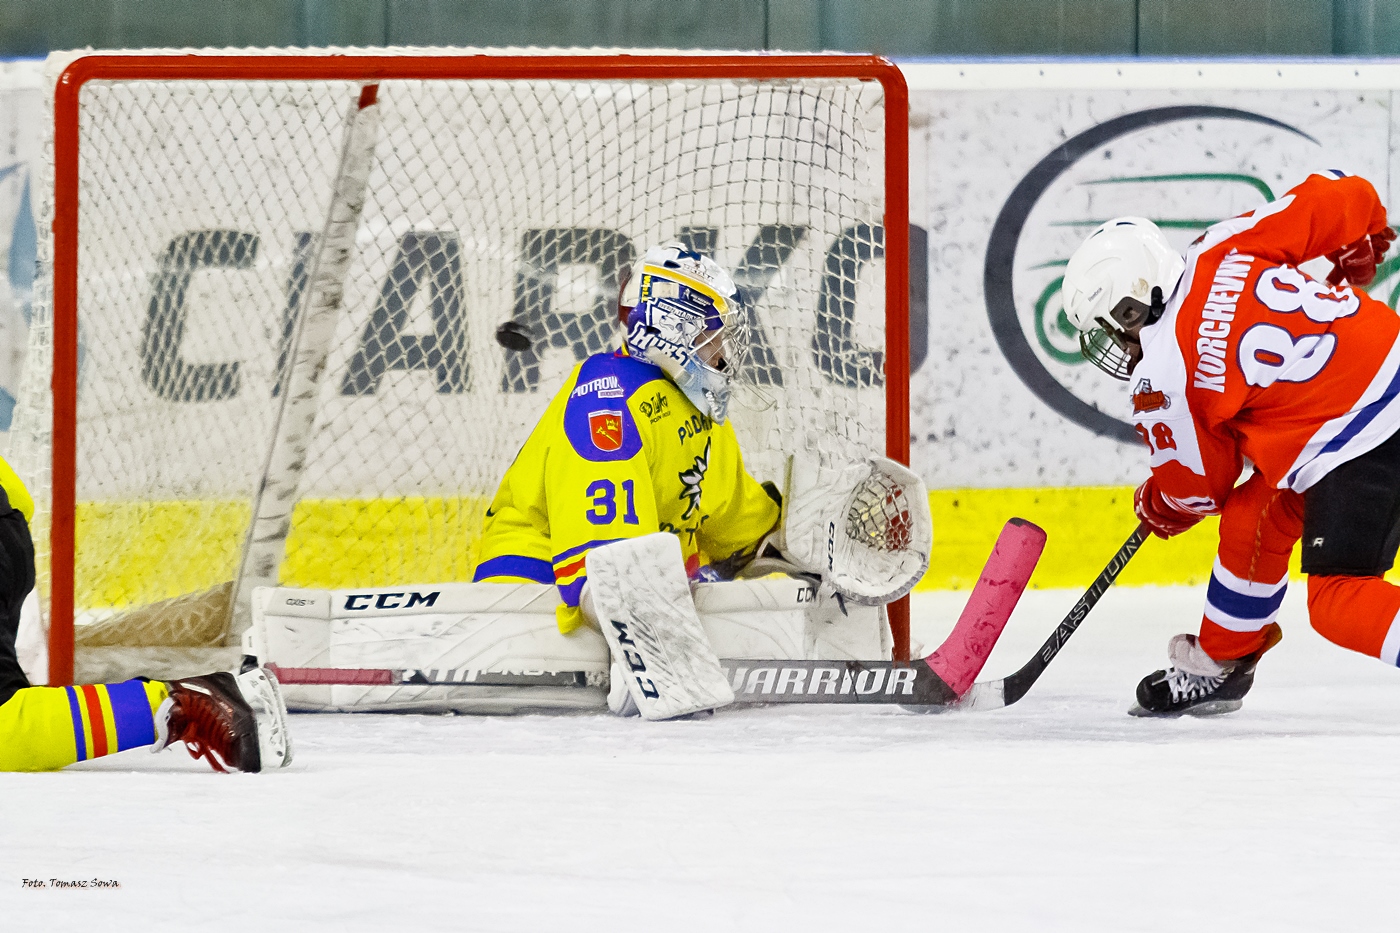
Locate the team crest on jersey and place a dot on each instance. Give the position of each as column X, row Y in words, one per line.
column 691, row 480
column 605, row 428
column 1145, row 398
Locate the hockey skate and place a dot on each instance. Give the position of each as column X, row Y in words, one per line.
column 1196, row 684
column 236, row 723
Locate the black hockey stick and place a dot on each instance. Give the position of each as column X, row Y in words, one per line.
column 994, row 694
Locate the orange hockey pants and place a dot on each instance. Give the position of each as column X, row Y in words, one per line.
column 1258, row 529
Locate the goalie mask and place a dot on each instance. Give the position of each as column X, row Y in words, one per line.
column 684, row 315
column 1121, row 276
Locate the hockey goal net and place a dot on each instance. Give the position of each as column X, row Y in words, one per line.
column 268, row 305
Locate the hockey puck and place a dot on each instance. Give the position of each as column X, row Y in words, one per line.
column 515, row 336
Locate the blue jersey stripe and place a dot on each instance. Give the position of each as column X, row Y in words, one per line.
column 573, row 551
column 1363, row 418
column 1241, row 606
column 79, row 736
column 570, row 592
column 513, row 565
column 131, row 710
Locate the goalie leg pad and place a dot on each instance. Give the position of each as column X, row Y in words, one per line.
column 638, row 595
column 502, row 627
column 786, row 618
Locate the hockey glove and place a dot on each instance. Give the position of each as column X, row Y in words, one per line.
column 1356, row 262
column 1159, row 513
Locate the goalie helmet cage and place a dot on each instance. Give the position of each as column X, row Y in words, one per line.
column 276, row 280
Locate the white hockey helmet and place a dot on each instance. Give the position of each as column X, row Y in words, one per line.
column 684, row 315
column 1127, row 257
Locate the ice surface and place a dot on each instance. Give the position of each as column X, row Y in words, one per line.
column 1059, row 813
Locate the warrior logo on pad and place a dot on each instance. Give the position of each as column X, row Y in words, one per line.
column 605, row 428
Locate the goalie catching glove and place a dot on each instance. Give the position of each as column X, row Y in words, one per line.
column 863, row 527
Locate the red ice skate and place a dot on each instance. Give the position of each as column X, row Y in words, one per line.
column 235, row 723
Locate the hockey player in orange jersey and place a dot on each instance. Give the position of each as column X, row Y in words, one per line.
column 1236, row 355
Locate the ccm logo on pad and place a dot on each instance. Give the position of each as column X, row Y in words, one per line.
column 390, row 600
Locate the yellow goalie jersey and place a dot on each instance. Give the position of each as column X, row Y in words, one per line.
column 619, row 453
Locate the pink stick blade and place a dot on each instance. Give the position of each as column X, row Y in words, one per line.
column 359, row 677
column 960, row 658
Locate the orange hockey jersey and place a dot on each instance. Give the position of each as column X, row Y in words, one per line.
column 1255, row 359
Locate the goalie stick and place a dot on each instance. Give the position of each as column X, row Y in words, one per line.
column 433, row 677
column 755, row 682
column 937, row 681
column 994, row 694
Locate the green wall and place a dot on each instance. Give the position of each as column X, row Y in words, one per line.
column 894, row 27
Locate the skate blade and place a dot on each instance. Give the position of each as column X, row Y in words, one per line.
column 1213, row 708
column 263, row 693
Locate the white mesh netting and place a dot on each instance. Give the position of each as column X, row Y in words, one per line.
column 201, row 204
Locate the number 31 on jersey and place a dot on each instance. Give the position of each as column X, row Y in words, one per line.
column 602, row 493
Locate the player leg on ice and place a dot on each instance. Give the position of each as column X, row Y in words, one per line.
column 1196, row 683
column 236, row 723
column 233, row 722
column 1212, row 672
column 1235, row 354
column 1349, row 525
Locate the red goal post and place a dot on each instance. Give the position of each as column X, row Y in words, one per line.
column 70, row 188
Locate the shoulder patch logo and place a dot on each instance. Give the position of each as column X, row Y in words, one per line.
column 1146, row 399
column 691, row 481
column 605, row 428
column 604, row 386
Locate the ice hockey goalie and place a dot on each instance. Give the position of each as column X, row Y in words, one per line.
column 631, row 491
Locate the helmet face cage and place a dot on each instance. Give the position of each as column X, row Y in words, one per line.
column 696, row 335
column 734, row 338
column 1104, row 348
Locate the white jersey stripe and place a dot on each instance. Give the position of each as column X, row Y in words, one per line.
column 1233, row 623
column 1246, row 587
